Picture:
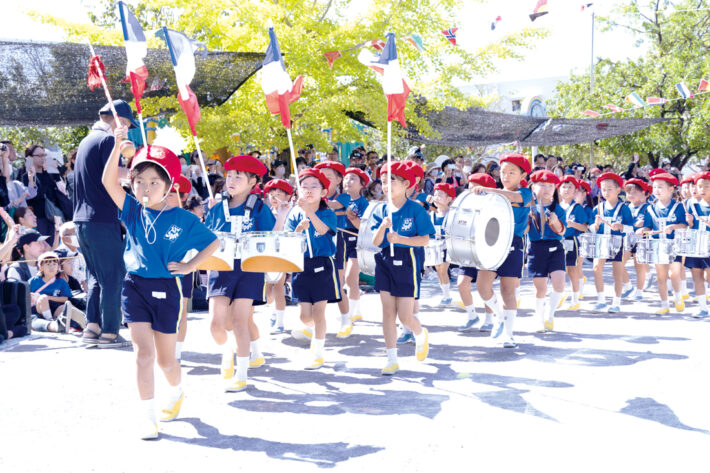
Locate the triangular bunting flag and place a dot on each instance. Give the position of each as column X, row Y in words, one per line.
column 495, row 22
column 614, row 108
column 703, row 85
column 656, row 100
column 416, row 41
column 331, row 57
column 591, row 113
column 450, row 35
column 540, row 10
column 635, row 100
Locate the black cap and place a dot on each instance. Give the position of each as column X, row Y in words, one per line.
column 356, row 154
column 26, row 239
column 122, row 110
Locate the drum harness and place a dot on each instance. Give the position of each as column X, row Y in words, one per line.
column 249, row 205
column 568, row 245
column 662, row 222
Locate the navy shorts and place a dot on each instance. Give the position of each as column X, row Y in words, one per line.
column 470, row 272
column 512, row 267
column 154, row 300
column 237, row 284
column 53, row 306
column 697, row 263
column 401, row 275
column 350, row 245
column 572, row 256
column 340, row 251
column 317, row 282
column 187, row 282
column 545, row 257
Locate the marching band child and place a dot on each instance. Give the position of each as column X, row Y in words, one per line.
column 398, row 231
column 470, row 274
column 698, row 220
column 354, row 183
column 514, row 167
column 444, row 194
column 612, row 217
column 157, row 239
column 318, row 283
column 233, row 293
column 546, row 256
column 663, row 217
column 636, row 195
column 279, row 192
column 576, row 222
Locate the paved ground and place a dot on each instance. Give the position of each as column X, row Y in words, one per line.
column 627, row 390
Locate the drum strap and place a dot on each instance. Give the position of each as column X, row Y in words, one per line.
column 617, row 209
column 662, row 221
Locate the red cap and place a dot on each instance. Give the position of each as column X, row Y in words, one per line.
column 400, row 169
column 688, row 179
column 702, row 175
column 334, row 165
column 664, row 176
column 483, row 179
column 360, row 173
column 518, row 159
column 612, row 176
column 655, row 171
column 278, row 184
column 161, row 156
column 448, row 188
column 416, row 168
column 545, row 176
column 182, row 185
column 569, row 178
column 639, row 182
column 315, row 173
column 245, row 163
column 585, row 185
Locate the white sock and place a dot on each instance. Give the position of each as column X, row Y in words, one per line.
column 517, row 294
column 600, row 298
column 355, row 306
column 242, row 367
column 280, row 318
column 493, row 305
column 509, row 320
column 540, row 308
column 677, row 296
column 489, row 318
column 664, row 304
column 254, row 351
column 637, row 292
column 702, row 302
column 231, row 342
column 178, row 350
column 47, row 314
column 616, row 301
column 345, row 319
column 174, row 393
column 391, row 356
column 684, row 286
column 317, row 347
column 148, row 407
column 575, row 298
column 626, row 286
column 227, row 356
column 471, row 312
column 445, row 290
column 555, row 298
column 419, row 339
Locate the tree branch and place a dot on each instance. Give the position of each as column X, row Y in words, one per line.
column 325, row 12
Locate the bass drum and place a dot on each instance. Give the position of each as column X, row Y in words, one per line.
column 366, row 251
column 479, row 230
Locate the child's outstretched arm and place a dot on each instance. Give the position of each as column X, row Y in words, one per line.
column 110, row 176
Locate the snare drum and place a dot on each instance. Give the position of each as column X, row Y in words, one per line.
column 599, row 245
column 223, row 258
column 630, row 241
column 366, row 251
column 479, row 230
column 277, row 252
column 434, row 252
column 693, row 243
column 655, row 251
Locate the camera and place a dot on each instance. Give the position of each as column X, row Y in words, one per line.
column 3, row 147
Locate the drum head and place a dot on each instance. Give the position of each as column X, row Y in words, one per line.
column 269, row 264
column 215, row 264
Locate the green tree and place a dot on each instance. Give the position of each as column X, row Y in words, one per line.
column 306, row 30
column 677, row 43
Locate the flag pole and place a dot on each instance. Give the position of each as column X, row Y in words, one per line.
column 202, row 165
column 298, row 184
column 140, row 122
column 389, row 178
column 103, row 83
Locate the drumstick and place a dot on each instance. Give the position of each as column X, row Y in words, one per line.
column 347, row 231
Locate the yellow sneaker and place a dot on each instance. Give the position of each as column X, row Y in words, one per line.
column 518, row 303
column 423, row 351
column 345, row 331
column 686, row 297
column 680, row 307
column 149, row 431
column 460, row 304
column 171, row 412
column 581, row 296
column 663, row 311
column 389, row 370
column 257, row 362
column 317, row 363
column 564, row 298
column 227, row 365
column 303, row 335
column 574, row 307
column 549, row 325
column 355, row 318
column 235, row 387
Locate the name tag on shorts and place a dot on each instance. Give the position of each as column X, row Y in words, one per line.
column 552, row 250
column 318, row 270
column 159, row 295
column 352, row 238
column 397, row 262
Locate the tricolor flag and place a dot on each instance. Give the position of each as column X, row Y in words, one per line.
column 378, row 44
column 495, row 22
column 182, row 54
column 540, row 10
column 393, row 83
column 96, row 70
column 276, row 84
column 683, row 90
column 331, row 57
column 656, row 100
column 136, row 50
column 450, row 35
column 592, row 113
column 417, row 41
column 614, row 108
column 586, row 6
column 635, row 100
column 703, row 85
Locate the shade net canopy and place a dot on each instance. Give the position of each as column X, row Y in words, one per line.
column 478, row 127
column 45, row 84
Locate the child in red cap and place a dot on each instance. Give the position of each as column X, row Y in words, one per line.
column 444, row 194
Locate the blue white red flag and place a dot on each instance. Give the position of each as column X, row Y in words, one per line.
column 276, row 84
column 683, row 90
column 450, row 34
column 656, row 100
column 495, row 22
column 136, row 50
